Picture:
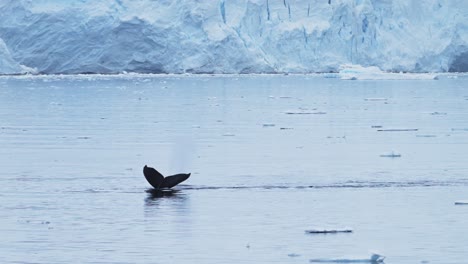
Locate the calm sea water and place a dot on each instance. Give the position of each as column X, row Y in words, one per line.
column 270, row 156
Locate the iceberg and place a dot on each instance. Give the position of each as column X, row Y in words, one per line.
column 235, row 36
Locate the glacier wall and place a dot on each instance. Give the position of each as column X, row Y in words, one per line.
column 232, row 36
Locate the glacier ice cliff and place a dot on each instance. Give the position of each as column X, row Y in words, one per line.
column 232, row 36
column 7, row 64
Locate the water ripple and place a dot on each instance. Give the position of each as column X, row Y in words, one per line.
column 348, row 185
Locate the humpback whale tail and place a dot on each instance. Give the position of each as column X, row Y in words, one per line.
column 158, row 181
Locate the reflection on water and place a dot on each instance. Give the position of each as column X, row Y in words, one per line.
column 338, row 185
column 158, row 201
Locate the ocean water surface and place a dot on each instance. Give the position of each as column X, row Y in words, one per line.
column 270, row 157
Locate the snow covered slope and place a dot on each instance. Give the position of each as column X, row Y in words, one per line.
column 232, row 36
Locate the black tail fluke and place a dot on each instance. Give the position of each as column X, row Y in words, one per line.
column 158, row 181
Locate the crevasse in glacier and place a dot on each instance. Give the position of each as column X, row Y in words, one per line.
column 232, row 36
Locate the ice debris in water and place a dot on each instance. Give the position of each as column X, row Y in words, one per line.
column 391, row 155
column 304, row 112
column 397, row 130
column 268, row 125
column 376, row 99
column 328, row 231
column 374, row 258
column 358, row 72
column 465, row 202
column 426, row 136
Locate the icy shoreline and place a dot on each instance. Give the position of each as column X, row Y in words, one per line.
column 412, row 76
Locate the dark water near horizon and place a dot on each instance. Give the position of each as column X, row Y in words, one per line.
column 270, row 157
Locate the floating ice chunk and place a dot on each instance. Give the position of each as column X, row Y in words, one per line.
column 303, row 112
column 228, row 135
column 268, row 125
column 397, row 130
column 358, row 72
column 374, row 258
column 328, row 231
column 426, row 136
column 376, row 99
column 297, row 113
column 465, row 202
column 391, row 155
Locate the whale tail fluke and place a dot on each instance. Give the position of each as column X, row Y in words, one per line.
column 158, row 181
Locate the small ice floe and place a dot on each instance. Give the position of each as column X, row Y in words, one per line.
column 297, row 112
column 293, row 255
column 358, row 72
column 375, row 99
column 268, row 125
column 459, row 129
column 391, row 155
column 328, row 231
column 397, row 130
column 286, row 128
column 374, row 258
column 376, row 126
column 304, row 112
column 438, row 113
column 465, row 202
column 229, row 135
column 426, row 136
